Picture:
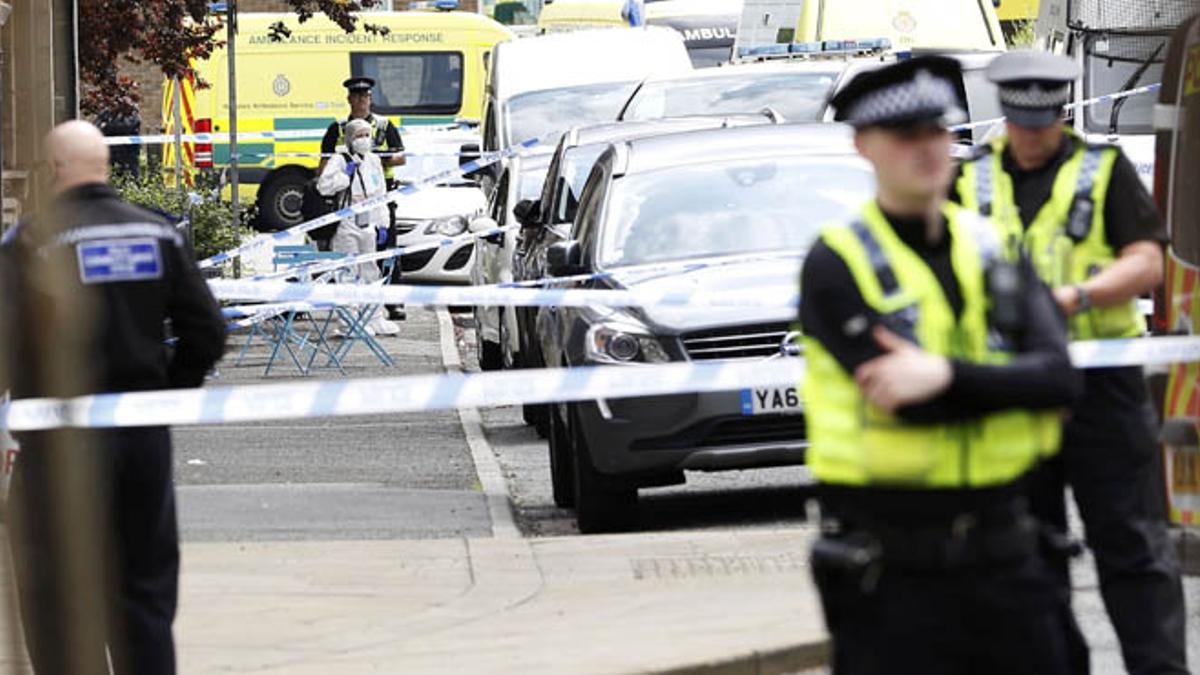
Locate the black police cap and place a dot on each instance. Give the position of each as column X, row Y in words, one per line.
column 356, row 84
column 1033, row 85
column 921, row 90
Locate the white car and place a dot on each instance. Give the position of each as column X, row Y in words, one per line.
column 435, row 213
column 496, row 327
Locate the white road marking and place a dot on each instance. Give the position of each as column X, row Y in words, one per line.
column 487, row 468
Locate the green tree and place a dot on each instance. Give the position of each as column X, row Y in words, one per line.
column 170, row 34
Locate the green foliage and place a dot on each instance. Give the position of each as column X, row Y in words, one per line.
column 209, row 214
column 1021, row 36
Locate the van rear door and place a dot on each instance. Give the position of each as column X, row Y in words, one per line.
column 1177, row 190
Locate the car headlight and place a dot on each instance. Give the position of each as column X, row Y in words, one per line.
column 622, row 343
column 447, row 227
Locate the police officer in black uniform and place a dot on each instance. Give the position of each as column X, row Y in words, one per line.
column 135, row 274
column 1094, row 234
column 936, row 369
column 387, row 140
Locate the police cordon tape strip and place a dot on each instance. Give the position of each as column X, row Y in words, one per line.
column 417, row 393
column 326, row 155
column 1070, row 106
column 320, row 267
column 493, row 296
column 651, row 270
column 280, row 135
column 247, row 316
column 369, row 204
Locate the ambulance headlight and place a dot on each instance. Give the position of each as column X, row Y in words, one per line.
column 447, row 227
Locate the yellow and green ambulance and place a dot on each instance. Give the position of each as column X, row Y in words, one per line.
column 429, row 71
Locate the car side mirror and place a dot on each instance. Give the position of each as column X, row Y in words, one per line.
column 481, row 224
column 468, row 152
column 527, row 211
column 564, row 259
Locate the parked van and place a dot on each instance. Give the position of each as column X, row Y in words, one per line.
column 708, row 27
column 1119, row 50
column 540, row 86
column 429, row 70
column 1177, row 190
column 947, row 25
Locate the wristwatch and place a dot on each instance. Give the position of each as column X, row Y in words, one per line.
column 1085, row 302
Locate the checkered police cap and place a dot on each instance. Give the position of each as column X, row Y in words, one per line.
column 1035, row 94
column 914, row 91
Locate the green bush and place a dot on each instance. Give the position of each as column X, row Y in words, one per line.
column 209, row 214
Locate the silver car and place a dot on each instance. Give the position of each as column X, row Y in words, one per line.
column 728, row 210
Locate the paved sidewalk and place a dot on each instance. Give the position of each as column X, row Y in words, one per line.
column 618, row 604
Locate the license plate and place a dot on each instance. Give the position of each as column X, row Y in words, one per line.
column 767, row 400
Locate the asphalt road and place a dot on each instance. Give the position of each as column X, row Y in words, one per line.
column 399, row 476
column 412, row 476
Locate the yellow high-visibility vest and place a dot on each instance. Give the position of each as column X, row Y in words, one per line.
column 1060, row 258
column 852, row 442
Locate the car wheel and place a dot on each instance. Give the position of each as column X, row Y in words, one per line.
column 280, row 201
column 599, row 505
column 535, row 414
column 489, row 355
column 562, row 470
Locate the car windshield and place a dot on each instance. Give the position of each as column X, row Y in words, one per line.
column 541, row 113
column 729, row 208
column 1107, row 76
column 798, row 96
column 577, row 163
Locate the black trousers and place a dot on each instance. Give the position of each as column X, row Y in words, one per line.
column 1000, row 616
column 1111, row 461
column 392, row 233
column 140, row 554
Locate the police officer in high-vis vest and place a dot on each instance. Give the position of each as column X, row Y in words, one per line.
column 1082, row 215
column 388, row 145
column 936, row 372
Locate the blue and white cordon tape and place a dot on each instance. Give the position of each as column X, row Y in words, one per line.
column 370, row 204
column 245, row 316
column 1071, row 106
column 417, row 393
column 784, row 298
column 320, row 267
column 280, row 135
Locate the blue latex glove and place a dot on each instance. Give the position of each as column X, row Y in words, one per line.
column 351, row 167
column 380, row 236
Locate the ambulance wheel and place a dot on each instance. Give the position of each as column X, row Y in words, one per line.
column 281, row 200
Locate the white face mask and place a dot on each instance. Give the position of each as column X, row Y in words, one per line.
column 361, row 146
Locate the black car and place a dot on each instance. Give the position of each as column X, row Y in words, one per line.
column 716, row 211
column 547, row 220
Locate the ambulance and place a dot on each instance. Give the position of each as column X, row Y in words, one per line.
column 429, row 70
column 1121, row 47
column 1176, row 120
